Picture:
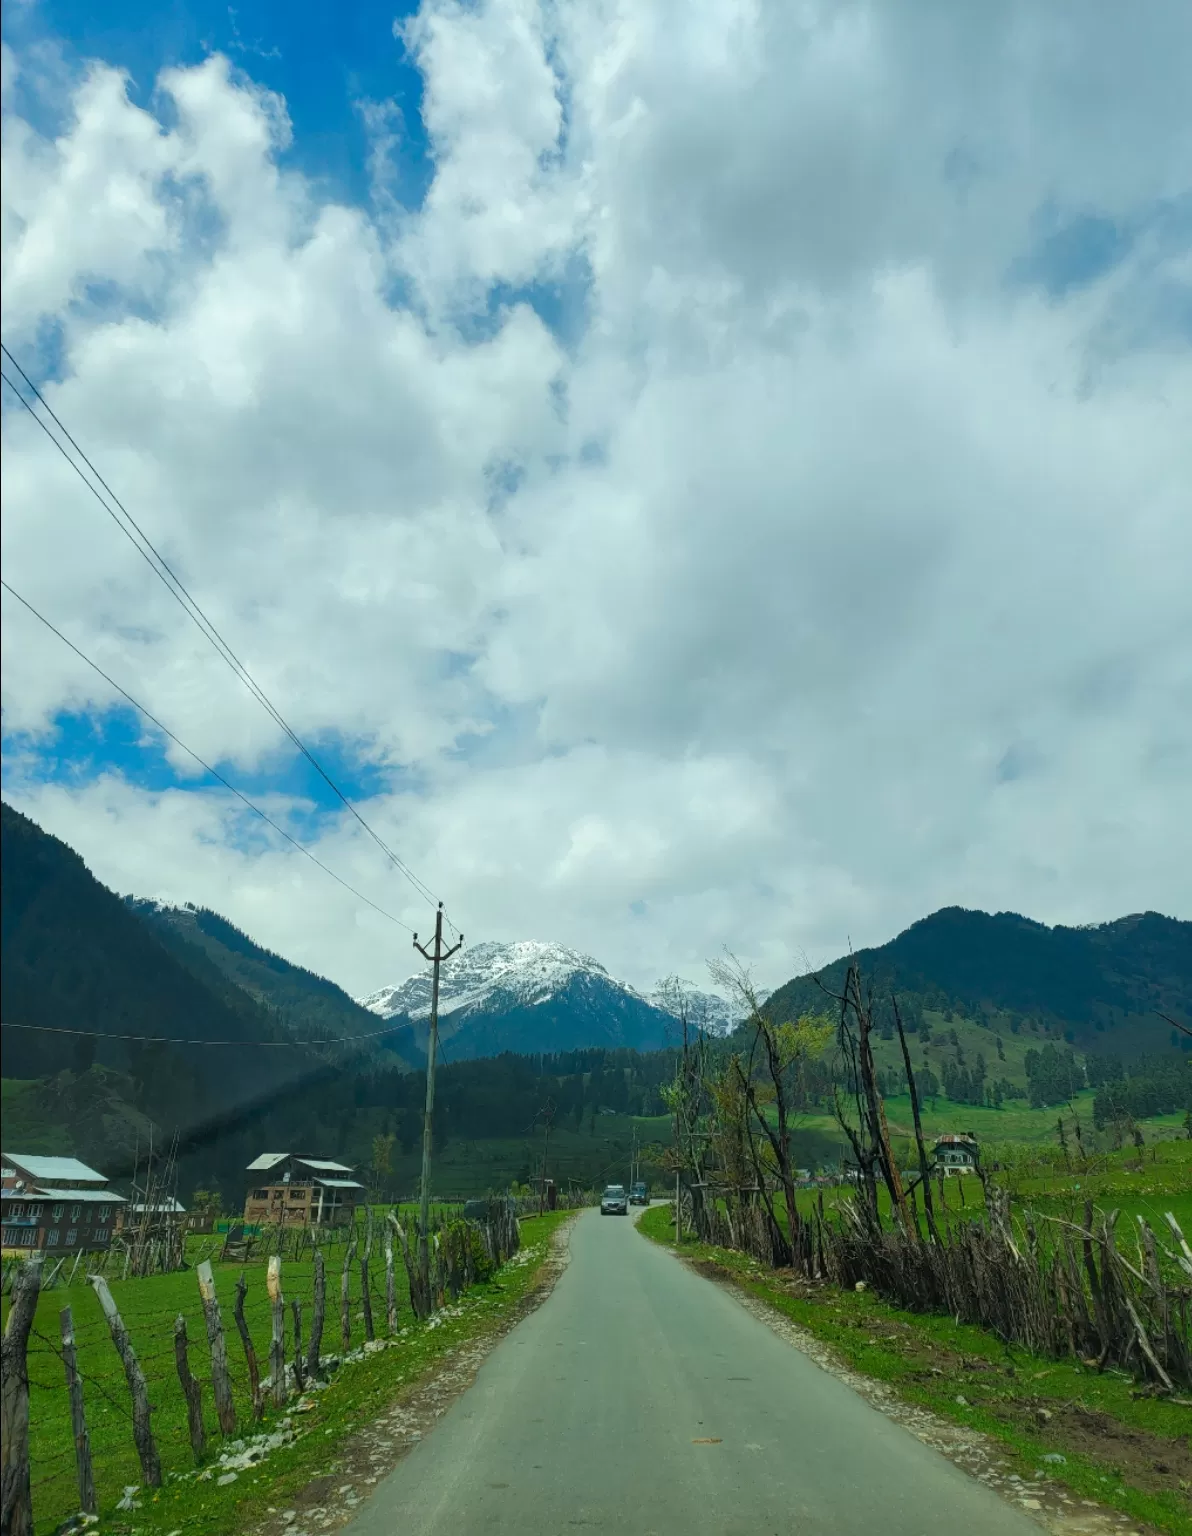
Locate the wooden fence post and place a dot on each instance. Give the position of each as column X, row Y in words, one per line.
column 250, row 1354
column 191, row 1390
column 299, row 1368
column 365, row 1295
column 78, row 1420
column 390, row 1286
column 316, row 1322
column 142, row 1430
column 277, row 1343
column 16, row 1501
column 221, row 1384
column 345, row 1301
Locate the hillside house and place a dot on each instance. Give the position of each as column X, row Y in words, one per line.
column 54, row 1205
column 298, row 1191
column 957, row 1153
column 164, row 1211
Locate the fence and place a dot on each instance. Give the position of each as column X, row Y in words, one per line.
column 1075, row 1293
column 214, row 1348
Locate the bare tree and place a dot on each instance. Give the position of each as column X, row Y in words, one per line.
column 783, row 1049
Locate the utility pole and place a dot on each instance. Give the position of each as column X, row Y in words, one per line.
column 436, row 958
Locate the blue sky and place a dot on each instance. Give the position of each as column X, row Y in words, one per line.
column 324, row 59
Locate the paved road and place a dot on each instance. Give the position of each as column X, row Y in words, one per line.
column 591, row 1414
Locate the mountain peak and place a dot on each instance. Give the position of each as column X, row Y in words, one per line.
column 542, row 990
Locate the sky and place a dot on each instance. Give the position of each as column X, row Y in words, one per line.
column 698, row 476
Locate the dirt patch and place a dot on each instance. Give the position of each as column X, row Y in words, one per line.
column 1053, row 1507
column 1153, row 1463
column 361, row 1461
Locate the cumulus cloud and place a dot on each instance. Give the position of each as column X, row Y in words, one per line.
column 832, row 568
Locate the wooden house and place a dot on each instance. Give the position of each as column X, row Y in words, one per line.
column 956, row 1153
column 293, row 1190
column 54, row 1205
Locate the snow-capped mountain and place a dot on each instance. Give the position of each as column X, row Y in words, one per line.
column 531, row 996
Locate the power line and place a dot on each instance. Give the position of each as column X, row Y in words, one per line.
column 99, row 1034
column 177, row 589
column 214, row 772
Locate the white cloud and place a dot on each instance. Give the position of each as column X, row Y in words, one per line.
column 836, row 571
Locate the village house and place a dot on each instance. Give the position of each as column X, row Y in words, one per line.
column 164, row 1211
column 298, row 1191
column 956, row 1153
column 54, row 1205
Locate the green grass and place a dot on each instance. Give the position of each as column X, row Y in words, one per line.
column 933, row 1361
column 357, row 1394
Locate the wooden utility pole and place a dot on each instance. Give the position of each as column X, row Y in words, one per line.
column 436, row 957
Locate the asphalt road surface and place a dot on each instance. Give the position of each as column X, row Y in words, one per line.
column 644, row 1400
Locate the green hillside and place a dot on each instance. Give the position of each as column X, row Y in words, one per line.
column 306, row 1005
column 1100, row 988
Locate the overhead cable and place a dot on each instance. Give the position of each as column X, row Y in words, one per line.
column 145, row 547
column 214, row 772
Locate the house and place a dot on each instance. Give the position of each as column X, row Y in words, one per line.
column 956, row 1153
column 54, row 1205
column 162, row 1211
column 294, row 1190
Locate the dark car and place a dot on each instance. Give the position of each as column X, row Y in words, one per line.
column 614, row 1201
column 639, row 1195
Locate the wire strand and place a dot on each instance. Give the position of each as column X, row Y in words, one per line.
column 214, row 772
column 178, row 590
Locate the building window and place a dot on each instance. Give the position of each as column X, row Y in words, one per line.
column 52, row 1238
column 75, row 1212
column 101, row 1235
column 34, row 1211
column 29, row 1237
column 16, row 1210
column 58, row 1209
column 101, row 1213
column 72, row 1237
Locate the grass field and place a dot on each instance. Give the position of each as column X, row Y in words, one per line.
column 1128, row 1451
column 1113, row 1181
column 358, row 1391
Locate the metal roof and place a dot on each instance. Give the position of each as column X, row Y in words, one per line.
column 66, row 1196
column 43, row 1168
column 169, row 1206
column 318, row 1162
column 339, row 1184
column 266, row 1161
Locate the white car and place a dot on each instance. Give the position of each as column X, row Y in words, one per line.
column 614, row 1201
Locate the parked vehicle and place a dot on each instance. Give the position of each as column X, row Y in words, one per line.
column 614, row 1201
column 639, row 1194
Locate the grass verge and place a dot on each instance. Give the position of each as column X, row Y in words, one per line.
column 1129, row 1452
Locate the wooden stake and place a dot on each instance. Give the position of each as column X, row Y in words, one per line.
column 365, row 1294
column 316, row 1322
column 221, row 1382
column 250, row 1353
column 390, row 1286
column 16, row 1500
column 277, row 1343
column 191, row 1390
column 78, row 1419
column 345, row 1302
column 142, row 1430
column 299, row 1370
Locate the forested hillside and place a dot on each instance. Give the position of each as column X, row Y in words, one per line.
column 307, row 1006
column 73, row 957
column 1099, row 988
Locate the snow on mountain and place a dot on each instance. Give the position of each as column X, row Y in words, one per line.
column 526, row 972
column 585, row 1004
